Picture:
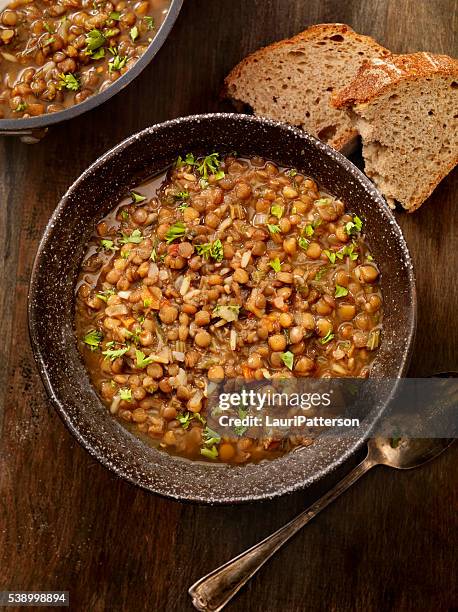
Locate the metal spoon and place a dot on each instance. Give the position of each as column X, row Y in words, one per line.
column 212, row 592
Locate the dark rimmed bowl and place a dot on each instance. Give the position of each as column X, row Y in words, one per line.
column 61, row 250
column 38, row 125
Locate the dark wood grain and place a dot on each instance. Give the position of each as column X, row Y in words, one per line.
column 67, row 523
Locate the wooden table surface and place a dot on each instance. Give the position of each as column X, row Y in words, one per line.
column 66, row 523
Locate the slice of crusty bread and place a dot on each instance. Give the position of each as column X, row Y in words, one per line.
column 406, row 109
column 292, row 80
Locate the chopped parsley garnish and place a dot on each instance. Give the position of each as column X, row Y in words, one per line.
column 149, row 22
column 329, row 336
column 275, row 264
column 115, row 15
column 49, row 41
column 239, row 430
column 186, row 418
column 210, row 439
column 69, row 81
column 104, row 295
column 20, row 108
column 94, row 40
column 135, row 237
column 134, row 34
column 110, row 33
column 277, row 211
column 48, row 28
column 183, row 206
column 176, row 231
column 181, row 195
column 125, row 394
column 124, row 215
column 137, row 197
column 340, row 291
column 347, row 250
column 292, row 172
column 331, row 255
column 205, row 166
column 189, row 160
column 288, row 359
column 228, row 312
column 153, row 255
column 369, row 257
column 109, row 245
column 273, row 229
column 303, row 243
column 355, row 226
column 98, row 54
column 211, row 249
column 112, row 353
column 141, row 360
column 117, row 62
column 210, row 453
column 309, row 230
column 93, row 338
column 210, row 164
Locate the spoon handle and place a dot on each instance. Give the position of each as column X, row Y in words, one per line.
column 212, row 592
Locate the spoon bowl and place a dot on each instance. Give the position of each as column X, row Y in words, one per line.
column 405, row 454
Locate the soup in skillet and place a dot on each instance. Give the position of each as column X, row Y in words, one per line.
column 222, row 269
column 57, row 53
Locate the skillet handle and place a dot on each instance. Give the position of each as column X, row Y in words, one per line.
column 212, row 592
column 26, row 136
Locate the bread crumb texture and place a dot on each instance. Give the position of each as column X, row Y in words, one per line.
column 293, row 80
column 406, row 109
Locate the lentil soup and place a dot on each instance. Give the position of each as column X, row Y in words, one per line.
column 222, row 269
column 57, row 53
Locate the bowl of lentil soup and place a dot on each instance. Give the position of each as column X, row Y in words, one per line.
column 185, row 262
column 60, row 59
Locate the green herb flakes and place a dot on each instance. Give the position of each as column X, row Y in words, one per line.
column 109, row 245
column 93, row 338
column 68, row 81
column 340, row 291
column 275, row 264
column 288, row 359
column 112, row 353
column 211, row 249
column 329, row 336
column 331, row 255
column 277, row 211
column 176, row 231
column 134, row 238
column 353, row 227
column 94, row 40
column 273, row 229
column 303, row 243
column 125, row 394
column 137, row 197
column 149, row 22
column 141, row 361
column 134, row 33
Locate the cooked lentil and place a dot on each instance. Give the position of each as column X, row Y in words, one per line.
column 54, row 54
column 232, row 268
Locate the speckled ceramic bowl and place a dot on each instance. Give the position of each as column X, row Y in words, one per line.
column 59, row 256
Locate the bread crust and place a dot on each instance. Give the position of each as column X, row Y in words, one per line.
column 314, row 32
column 377, row 76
